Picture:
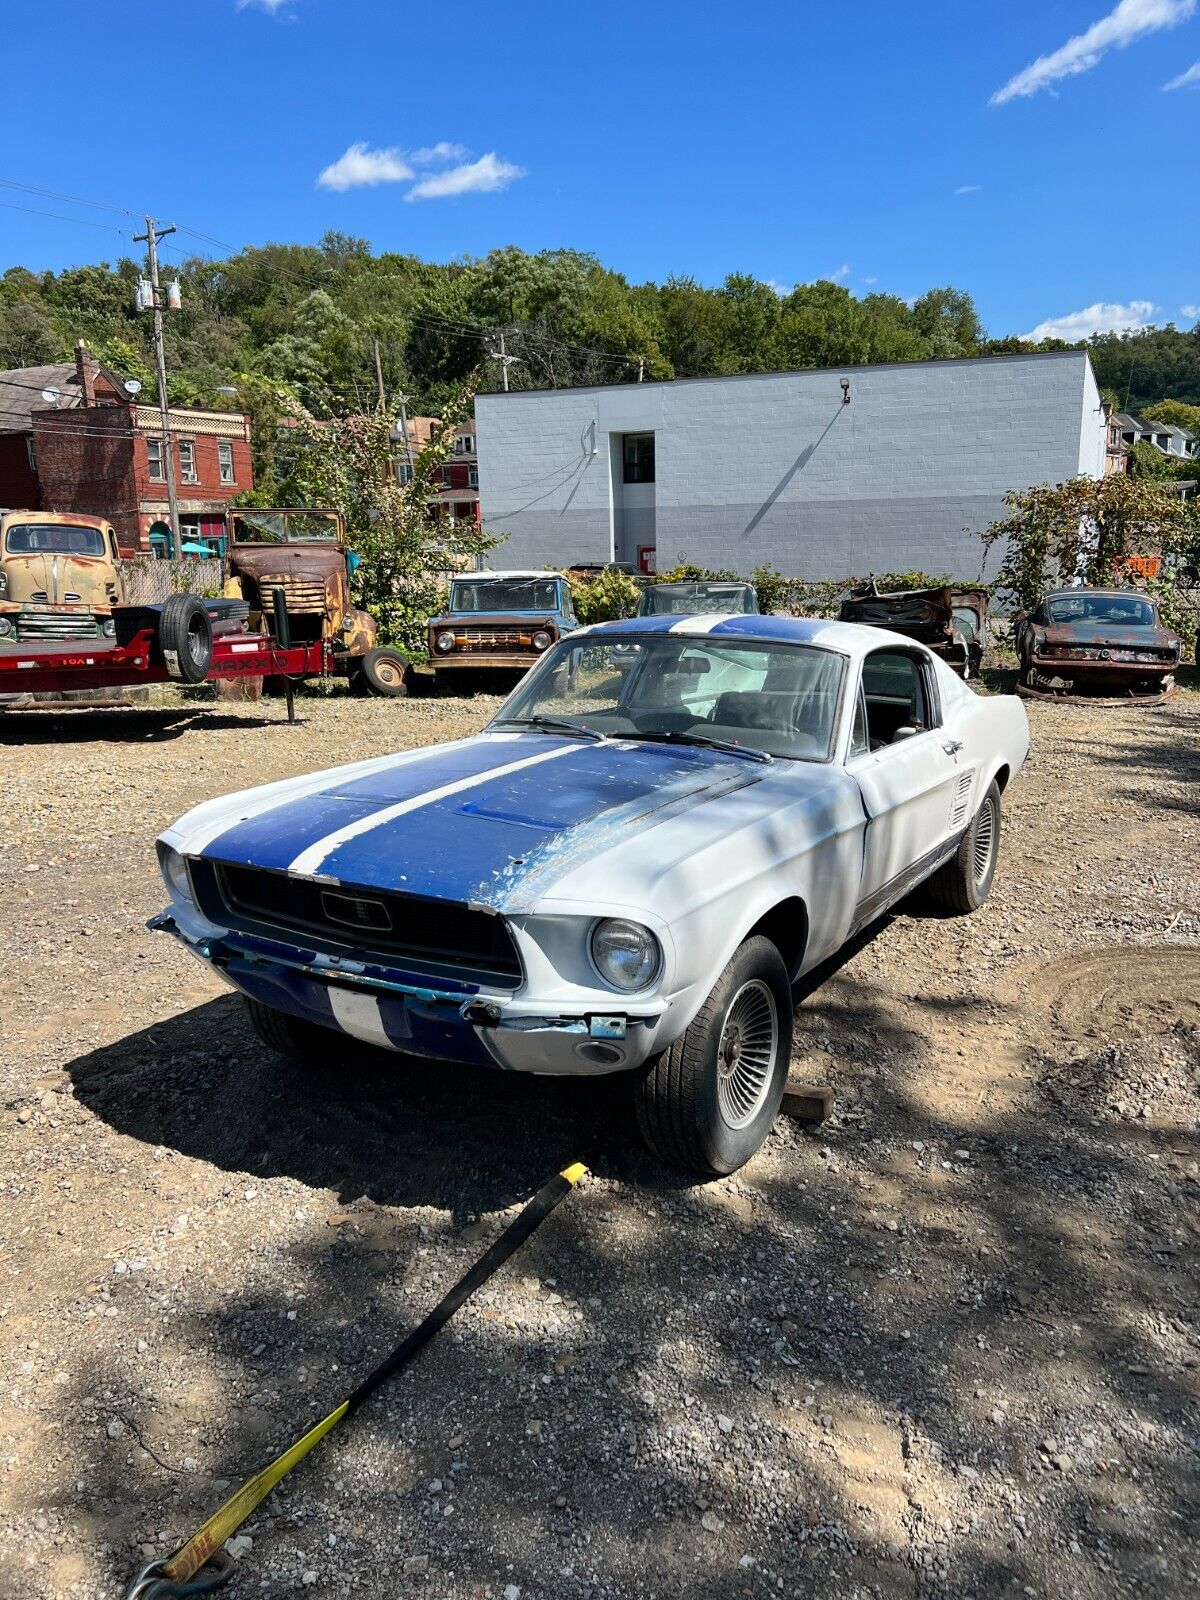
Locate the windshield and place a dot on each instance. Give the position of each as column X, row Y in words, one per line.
column 285, row 527
column 781, row 699
column 1122, row 610
column 55, row 538
column 504, row 594
column 662, row 599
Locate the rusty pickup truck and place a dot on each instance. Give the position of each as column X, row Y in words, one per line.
column 59, row 577
column 499, row 621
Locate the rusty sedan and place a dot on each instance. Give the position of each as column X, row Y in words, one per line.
column 1096, row 639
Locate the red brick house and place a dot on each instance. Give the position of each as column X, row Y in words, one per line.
column 99, row 451
column 458, row 496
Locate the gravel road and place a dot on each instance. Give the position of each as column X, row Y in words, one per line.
column 944, row 1344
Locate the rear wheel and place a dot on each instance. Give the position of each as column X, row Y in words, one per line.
column 384, row 672
column 709, row 1101
column 965, row 882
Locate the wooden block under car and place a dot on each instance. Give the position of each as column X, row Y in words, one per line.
column 807, row 1102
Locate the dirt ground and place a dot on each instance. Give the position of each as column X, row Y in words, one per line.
column 944, row 1344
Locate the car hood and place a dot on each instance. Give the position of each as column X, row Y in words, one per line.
column 1109, row 634
column 499, row 820
column 495, row 619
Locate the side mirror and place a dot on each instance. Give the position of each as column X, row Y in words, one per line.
column 905, row 731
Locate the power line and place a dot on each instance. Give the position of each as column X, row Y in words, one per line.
column 71, row 199
column 34, row 211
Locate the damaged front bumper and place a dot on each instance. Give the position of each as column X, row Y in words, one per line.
column 403, row 1011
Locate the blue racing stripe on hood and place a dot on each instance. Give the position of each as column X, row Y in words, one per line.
column 479, row 845
column 275, row 837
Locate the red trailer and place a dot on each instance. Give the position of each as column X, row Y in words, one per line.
column 186, row 641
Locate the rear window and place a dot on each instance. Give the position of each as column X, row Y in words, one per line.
column 53, row 538
column 1121, row 610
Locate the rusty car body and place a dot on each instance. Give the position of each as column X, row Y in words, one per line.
column 499, row 621
column 301, row 554
column 951, row 622
column 59, row 577
column 1096, row 639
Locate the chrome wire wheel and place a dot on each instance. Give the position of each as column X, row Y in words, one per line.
column 746, row 1054
column 984, row 843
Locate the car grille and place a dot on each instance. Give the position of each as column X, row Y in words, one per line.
column 56, row 625
column 1095, row 652
column 439, row 936
column 494, row 638
column 302, row 595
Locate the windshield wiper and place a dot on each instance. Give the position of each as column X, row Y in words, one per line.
column 552, row 725
column 671, row 737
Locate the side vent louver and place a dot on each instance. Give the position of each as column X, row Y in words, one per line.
column 962, row 799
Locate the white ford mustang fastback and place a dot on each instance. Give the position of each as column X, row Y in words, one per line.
column 668, row 821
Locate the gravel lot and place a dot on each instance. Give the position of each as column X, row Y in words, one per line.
column 945, row 1344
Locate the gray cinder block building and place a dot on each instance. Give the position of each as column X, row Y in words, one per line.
column 823, row 473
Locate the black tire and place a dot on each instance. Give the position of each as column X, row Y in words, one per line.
column 305, row 1042
column 965, row 881
column 185, row 638
column 687, row 1100
column 384, row 671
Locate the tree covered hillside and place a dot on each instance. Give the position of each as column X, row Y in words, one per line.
column 302, row 321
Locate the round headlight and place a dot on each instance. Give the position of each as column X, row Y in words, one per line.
column 626, row 955
column 108, row 628
column 175, row 873
column 542, row 640
column 445, row 641
column 6, row 627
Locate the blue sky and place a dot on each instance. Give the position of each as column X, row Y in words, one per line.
column 1041, row 155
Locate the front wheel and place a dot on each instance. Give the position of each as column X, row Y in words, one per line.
column 306, row 1043
column 965, row 881
column 709, row 1101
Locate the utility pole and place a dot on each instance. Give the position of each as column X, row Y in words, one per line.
column 641, row 368
column 379, row 375
column 151, row 236
column 505, row 361
column 402, row 402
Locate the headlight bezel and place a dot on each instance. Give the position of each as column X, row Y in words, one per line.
column 649, row 975
column 7, row 627
column 547, row 639
column 108, row 628
column 444, row 642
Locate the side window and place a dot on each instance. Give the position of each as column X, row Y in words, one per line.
column 896, row 693
column 859, row 742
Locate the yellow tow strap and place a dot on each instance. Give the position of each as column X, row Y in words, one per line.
column 169, row 1577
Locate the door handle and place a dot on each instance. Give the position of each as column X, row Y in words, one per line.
column 952, row 746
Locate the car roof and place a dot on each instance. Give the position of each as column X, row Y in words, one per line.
column 517, row 572
column 703, row 583
column 847, row 638
column 1088, row 588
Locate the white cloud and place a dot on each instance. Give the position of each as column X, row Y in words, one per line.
column 431, row 154
column 780, row 289
column 1192, row 75
column 1193, row 312
column 485, row 176
column 271, row 7
column 967, row 188
column 362, row 167
column 842, row 272
column 870, row 280
column 1127, row 21
column 1103, row 317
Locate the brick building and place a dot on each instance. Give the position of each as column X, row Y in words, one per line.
column 458, row 497
column 96, row 449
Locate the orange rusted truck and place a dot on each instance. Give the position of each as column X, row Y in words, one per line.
column 59, row 577
column 301, row 554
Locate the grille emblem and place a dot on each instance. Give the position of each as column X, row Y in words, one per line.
column 356, row 911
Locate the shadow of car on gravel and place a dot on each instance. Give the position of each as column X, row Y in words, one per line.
column 135, row 725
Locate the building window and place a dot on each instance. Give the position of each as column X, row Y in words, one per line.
column 464, row 444
column 639, row 458
column 187, row 461
column 472, row 477
column 30, row 452
column 154, row 456
column 447, row 475
column 225, row 461
column 162, row 546
column 404, row 472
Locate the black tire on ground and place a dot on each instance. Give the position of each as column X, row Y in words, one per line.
column 305, row 1042
column 965, row 881
column 709, row 1101
column 384, row 671
column 185, row 638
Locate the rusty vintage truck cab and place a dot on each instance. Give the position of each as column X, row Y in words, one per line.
column 302, row 554
column 59, row 577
